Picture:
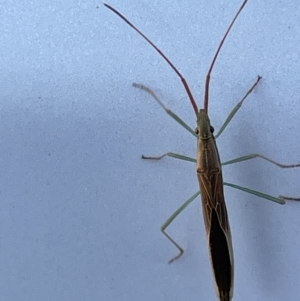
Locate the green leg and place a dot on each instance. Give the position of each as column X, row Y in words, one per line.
column 169, row 221
column 268, row 197
column 170, row 154
column 252, row 156
column 236, row 108
column 288, row 198
column 168, row 111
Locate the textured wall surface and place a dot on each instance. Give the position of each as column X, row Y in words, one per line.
column 80, row 212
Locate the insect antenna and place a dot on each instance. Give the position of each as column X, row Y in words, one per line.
column 185, row 84
column 206, row 95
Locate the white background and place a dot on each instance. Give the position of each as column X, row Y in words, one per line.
column 80, row 212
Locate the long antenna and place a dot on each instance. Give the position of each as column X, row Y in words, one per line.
column 206, row 95
column 186, row 86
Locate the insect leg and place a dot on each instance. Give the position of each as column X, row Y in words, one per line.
column 168, row 111
column 236, row 108
column 170, row 154
column 169, row 221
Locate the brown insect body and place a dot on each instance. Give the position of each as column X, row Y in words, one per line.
column 215, row 216
column 209, row 176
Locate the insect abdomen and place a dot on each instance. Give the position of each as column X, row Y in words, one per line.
column 220, row 257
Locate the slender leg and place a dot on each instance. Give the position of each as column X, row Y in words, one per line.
column 169, row 221
column 257, row 193
column 253, row 156
column 170, row 154
column 288, row 198
column 168, row 111
column 236, row 108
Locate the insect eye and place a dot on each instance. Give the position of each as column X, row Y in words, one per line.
column 212, row 129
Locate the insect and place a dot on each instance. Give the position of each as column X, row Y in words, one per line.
column 209, row 173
